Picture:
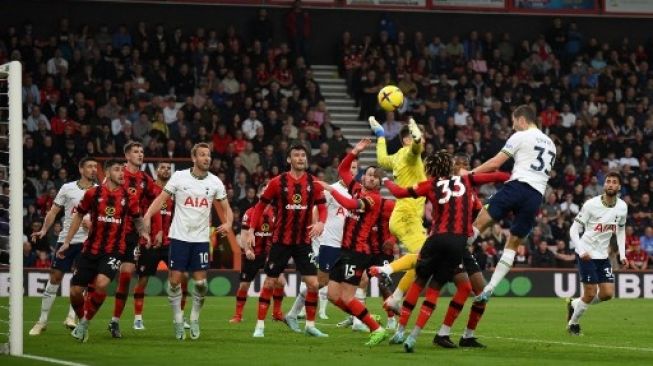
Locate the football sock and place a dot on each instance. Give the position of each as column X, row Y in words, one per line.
column 139, row 299
column 199, row 294
column 121, row 295
column 409, row 303
column 323, row 301
column 404, row 284
column 49, row 294
column 360, row 311
column 311, row 306
column 457, row 302
column 264, row 303
column 579, row 309
column 97, row 298
column 241, row 299
column 277, row 296
column 502, row 268
column 174, row 297
column 298, row 304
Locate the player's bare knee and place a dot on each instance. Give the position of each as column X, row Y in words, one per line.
column 76, row 291
column 244, row 286
column 589, row 292
column 269, row 282
column 56, row 276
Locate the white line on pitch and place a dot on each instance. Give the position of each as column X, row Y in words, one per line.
column 53, row 360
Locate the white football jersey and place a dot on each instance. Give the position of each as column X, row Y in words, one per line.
column 67, row 199
column 600, row 223
column 534, row 154
column 193, row 203
column 332, row 234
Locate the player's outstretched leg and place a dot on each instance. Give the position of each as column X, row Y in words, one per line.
column 199, row 294
column 406, row 309
column 428, row 305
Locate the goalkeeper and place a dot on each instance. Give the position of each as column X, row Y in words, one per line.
column 406, row 219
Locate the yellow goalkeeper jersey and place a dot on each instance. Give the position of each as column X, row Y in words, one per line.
column 408, row 169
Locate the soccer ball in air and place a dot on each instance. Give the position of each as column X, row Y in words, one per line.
column 390, row 98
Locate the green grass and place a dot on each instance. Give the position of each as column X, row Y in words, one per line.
column 517, row 331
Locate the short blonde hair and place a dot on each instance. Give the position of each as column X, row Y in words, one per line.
column 199, row 145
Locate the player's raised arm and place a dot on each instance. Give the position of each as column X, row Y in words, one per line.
column 485, row 178
column 419, row 190
column 345, row 202
column 508, row 151
column 382, row 157
column 344, row 169
column 417, row 146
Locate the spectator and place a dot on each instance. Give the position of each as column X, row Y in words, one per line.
column 249, row 158
column 251, row 124
column 637, row 258
column 543, row 257
column 646, row 241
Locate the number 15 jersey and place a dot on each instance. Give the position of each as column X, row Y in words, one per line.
column 534, row 154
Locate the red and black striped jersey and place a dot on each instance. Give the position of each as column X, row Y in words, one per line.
column 293, row 200
column 141, row 187
column 262, row 229
column 109, row 211
column 357, row 231
column 381, row 230
column 162, row 220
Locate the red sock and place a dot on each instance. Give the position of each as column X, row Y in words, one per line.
column 78, row 305
column 409, row 303
column 277, row 296
column 457, row 303
column 311, row 305
column 97, row 298
column 121, row 293
column 427, row 307
column 475, row 315
column 341, row 304
column 360, row 311
column 264, row 302
column 139, row 299
column 184, row 294
column 241, row 298
column 87, row 297
column 388, row 312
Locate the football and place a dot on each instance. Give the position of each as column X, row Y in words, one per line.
column 390, row 98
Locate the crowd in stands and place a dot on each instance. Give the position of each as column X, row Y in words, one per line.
column 88, row 90
column 593, row 99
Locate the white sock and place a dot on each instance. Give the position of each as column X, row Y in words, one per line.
column 472, row 238
column 445, row 330
column 398, row 295
column 260, row 324
column 579, row 309
column 503, row 267
column 298, row 305
column 324, row 300
column 387, row 269
column 71, row 313
column 310, row 323
column 115, row 319
column 596, row 299
column 468, row 333
column 415, row 332
column 174, row 297
column 49, row 294
column 199, row 294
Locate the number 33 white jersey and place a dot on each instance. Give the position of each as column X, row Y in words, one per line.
column 534, row 154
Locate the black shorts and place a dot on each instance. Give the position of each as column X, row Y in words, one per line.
column 441, row 257
column 302, row 254
column 132, row 251
column 250, row 268
column 350, row 266
column 470, row 263
column 149, row 259
column 382, row 259
column 88, row 267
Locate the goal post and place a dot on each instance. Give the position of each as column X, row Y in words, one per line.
column 11, row 116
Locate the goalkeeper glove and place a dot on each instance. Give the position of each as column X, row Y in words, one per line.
column 415, row 131
column 376, row 127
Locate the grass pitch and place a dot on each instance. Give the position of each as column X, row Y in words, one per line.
column 517, row 331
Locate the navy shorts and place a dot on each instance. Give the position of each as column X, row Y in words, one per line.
column 595, row 270
column 66, row 264
column 188, row 257
column 328, row 256
column 520, row 198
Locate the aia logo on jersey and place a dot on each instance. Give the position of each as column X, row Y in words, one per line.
column 196, row 202
column 341, row 212
column 604, row 228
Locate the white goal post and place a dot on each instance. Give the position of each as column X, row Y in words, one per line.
column 12, row 115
